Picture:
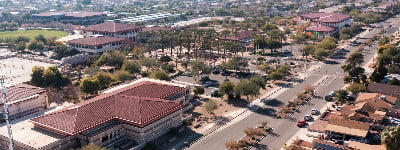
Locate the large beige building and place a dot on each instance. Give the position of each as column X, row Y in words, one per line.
column 120, row 118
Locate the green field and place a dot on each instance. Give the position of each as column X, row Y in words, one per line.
column 32, row 34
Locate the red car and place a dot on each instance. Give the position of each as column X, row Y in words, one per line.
column 301, row 123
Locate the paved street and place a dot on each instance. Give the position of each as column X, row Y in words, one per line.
column 286, row 128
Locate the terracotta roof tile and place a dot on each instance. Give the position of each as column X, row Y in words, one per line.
column 20, row 91
column 138, row 104
column 320, row 28
column 326, row 17
column 111, row 27
column 96, row 41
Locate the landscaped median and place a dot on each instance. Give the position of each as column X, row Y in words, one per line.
column 252, row 137
column 295, row 104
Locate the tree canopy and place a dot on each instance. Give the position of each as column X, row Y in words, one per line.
column 111, row 58
column 161, row 75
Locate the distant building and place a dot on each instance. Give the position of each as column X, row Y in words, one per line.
column 76, row 59
column 25, row 99
column 78, row 18
column 121, row 118
column 112, row 29
column 322, row 23
column 97, row 44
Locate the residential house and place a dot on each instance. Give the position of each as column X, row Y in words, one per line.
column 390, row 90
column 347, row 129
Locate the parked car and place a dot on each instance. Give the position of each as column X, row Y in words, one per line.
column 205, row 78
column 314, row 111
column 225, row 73
column 214, row 93
column 215, row 71
column 286, row 51
column 307, row 117
column 301, row 123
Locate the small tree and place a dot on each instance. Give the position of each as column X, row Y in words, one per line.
column 21, row 46
column 265, row 67
column 210, row 106
column 104, row 79
column 165, row 59
column 391, row 137
column 111, row 58
column 341, row 95
column 227, row 88
column 259, row 81
column 198, row 90
column 309, row 89
column 131, row 66
column 89, row 86
column 122, row 75
column 161, row 75
column 356, row 88
column 251, row 132
column 302, row 96
column 147, row 62
column 247, row 88
column 199, row 68
column 232, row 145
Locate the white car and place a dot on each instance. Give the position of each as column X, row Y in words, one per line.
column 307, row 117
column 338, row 108
column 314, row 111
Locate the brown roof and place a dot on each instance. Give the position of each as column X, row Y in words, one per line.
column 111, row 27
column 349, row 127
column 362, row 146
column 97, row 41
column 320, row 28
column 391, row 90
column 70, row 14
column 138, row 104
column 326, row 17
column 21, row 91
column 319, row 144
column 375, row 100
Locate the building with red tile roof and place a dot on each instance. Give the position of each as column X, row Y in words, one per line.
column 97, row 44
column 323, row 23
column 136, row 112
column 24, row 99
column 78, row 18
column 112, row 29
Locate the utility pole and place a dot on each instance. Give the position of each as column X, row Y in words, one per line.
column 5, row 113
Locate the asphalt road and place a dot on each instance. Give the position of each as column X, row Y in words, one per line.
column 286, row 128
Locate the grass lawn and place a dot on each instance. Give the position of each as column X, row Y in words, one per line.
column 32, row 34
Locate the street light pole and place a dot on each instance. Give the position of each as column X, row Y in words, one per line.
column 5, row 106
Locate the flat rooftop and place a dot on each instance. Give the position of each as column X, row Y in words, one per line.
column 24, row 132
